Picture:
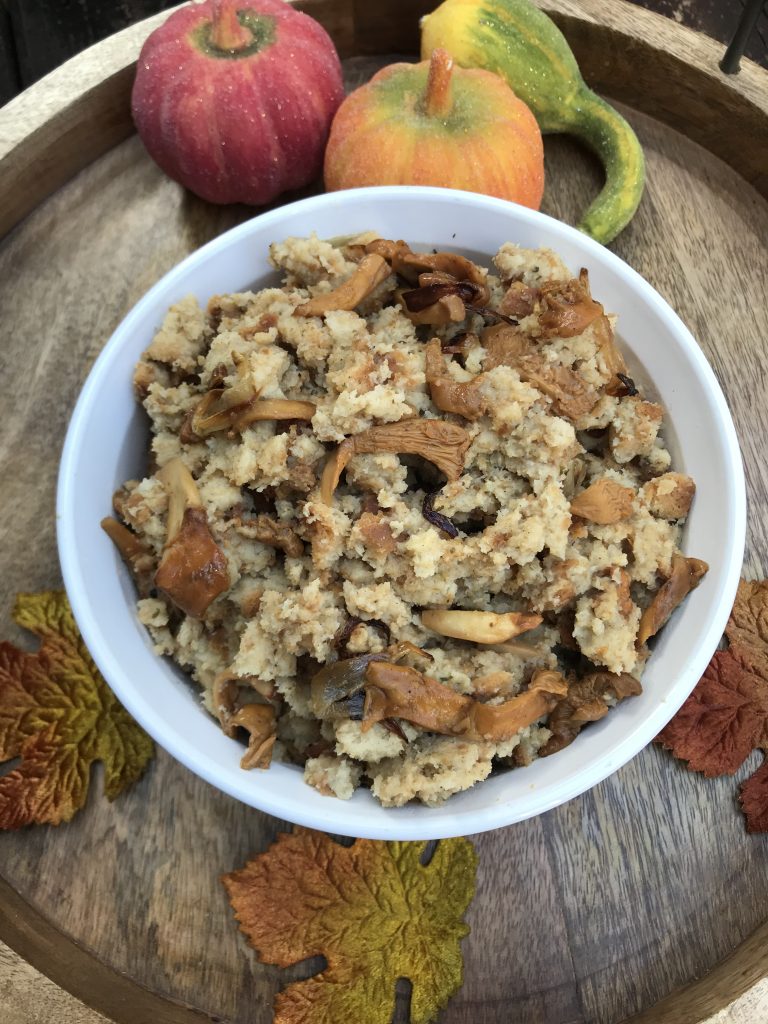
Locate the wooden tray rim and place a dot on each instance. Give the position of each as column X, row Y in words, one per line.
column 46, row 137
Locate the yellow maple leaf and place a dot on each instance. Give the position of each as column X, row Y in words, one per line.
column 59, row 716
column 371, row 909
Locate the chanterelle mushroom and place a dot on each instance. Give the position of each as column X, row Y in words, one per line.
column 585, row 703
column 436, row 305
column 686, row 575
column 268, row 530
column 134, row 553
column 604, row 502
column 479, row 627
column 567, row 307
column 235, row 407
column 397, row 691
column 193, row 570
column 461, row 397
column 444, row 444
column 371, row 271
column 260, row 722
column 571, row 397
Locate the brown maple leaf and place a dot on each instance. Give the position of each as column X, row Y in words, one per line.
column 748, row 623
column 372, row 909
column 724, row 718
column 754, row 799
column 59, row 716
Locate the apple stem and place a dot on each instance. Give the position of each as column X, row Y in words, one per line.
column 226, row 32
column 438, row 98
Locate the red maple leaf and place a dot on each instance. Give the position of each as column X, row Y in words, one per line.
column 723, row 720
column 754, row 799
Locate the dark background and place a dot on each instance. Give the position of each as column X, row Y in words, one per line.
column 37, row 35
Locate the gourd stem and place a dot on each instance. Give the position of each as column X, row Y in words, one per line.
column 438, row 98
column 226, row 31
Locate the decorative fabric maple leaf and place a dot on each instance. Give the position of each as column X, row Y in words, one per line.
column 722, row 721
column 58, row 714
column 726, row 716
column 372, row 909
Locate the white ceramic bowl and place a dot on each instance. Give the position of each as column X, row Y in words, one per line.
column 106, row 444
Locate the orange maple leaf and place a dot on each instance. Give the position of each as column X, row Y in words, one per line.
column 59, row 716
column 372, row 909
column 748, row 623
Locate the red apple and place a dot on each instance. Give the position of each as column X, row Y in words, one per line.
column 234, row 98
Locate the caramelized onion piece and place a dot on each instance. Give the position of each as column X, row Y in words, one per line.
column 397, row 691
column 371, row 271
column 441, row 443
column 479, row 627
column 437, row 518
column 686, row 575
column 584, row 703
column 193, row 570
column 260, row 721
column 462, row 398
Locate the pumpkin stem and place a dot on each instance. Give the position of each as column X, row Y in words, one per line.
column 438, row 99
column 226, row 31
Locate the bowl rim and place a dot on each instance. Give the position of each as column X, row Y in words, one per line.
column 440, row 822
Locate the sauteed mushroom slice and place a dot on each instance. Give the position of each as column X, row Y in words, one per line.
column 387, row 249
column 435, row 305
column 685, row 576
column 479, row 627
column 501, row 722
column 604, row 502
column 273, row 532
column 444, row 444
column 411, row 265
column 571, row 397
column 369, row 274
column 567, row 307
column 134, row 552
column 584, row 703
column 236, row 406
column 193, row 570
column 334, row 689
column 464, row 398
column 260, row 722
column 397, row 691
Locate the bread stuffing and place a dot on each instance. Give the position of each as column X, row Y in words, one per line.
column 406, row 520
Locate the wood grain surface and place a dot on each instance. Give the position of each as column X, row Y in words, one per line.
column 586, row 915
column 44, row 33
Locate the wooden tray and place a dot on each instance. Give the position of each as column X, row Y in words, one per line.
column 595, row 912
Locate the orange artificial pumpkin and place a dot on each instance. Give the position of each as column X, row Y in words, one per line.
column 436, row 124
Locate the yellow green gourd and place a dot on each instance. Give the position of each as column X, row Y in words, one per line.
column 519, row 42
